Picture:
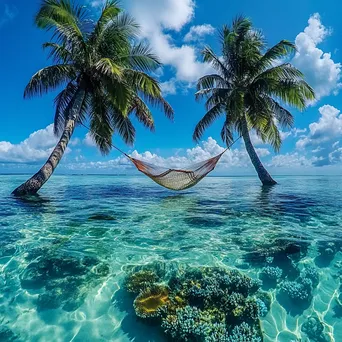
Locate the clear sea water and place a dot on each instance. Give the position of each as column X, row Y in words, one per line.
column 112, row 223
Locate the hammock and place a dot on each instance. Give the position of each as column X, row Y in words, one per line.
column 176, row 179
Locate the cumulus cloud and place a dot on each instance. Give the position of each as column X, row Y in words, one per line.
column 323, row 135
column 197, row 32
column 158, row 19
column 169, row 87
column 89, row 141
column 292, row 160
column 320, row 70
column 36, row 147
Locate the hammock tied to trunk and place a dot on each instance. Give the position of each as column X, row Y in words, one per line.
column 176, row 179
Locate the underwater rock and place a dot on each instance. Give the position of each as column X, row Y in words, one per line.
column 314, row 329
column 149, row 302
column 135, row 282
column 101, row 217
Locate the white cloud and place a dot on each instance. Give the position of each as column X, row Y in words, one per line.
column 197, row 32
column 74, row 142
column 292, row 160
column 169, row 87
column 321, row 72
column 89, row 141
column 322, row 136
column 158, row 19
column 328, row 128
column 36, row 147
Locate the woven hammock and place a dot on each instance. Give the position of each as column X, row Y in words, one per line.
column 175, row 179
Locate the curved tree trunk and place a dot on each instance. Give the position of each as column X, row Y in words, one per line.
column 33, row 185
column 264, row 176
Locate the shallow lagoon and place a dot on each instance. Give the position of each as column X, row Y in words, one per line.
column 64, row 256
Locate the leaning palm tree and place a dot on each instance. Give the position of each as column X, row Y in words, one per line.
column 103, row 74
column 251, row 89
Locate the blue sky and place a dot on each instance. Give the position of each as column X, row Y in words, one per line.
column 177, row 31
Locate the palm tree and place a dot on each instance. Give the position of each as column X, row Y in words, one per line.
column 103, row 74
column 250, row 90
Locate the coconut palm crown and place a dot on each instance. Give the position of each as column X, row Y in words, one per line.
column 252, row 89
column 104, row 72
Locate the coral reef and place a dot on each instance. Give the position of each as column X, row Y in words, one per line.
column 149, row 302
column 314, row 329
column 244, row 333
column 301, row 289
column 262, row 308
column 137, row 281
column 270, row 273
column 311, row 273
column 200, row 304
column 297, row 290
column 65, row 279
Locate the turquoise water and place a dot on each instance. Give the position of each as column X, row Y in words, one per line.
column 89, row 231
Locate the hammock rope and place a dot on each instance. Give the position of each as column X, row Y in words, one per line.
column 175, row 179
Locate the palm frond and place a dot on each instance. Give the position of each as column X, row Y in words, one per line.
column 142, row 112
column 211, row 81
column 211, row 115
column 64, row 18
column 124, row 127
column 277, row 52
column 49, row 78
column 141, row 58
column 227, row 133
column 59, row 53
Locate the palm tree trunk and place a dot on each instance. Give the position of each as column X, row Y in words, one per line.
column 32, row 186
column 264, row 176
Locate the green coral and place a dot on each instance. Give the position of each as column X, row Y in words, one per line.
column 140, row 280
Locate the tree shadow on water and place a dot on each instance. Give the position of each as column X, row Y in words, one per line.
column 34, row 203
column 134, row 327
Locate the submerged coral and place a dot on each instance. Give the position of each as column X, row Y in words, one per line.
column 201, row 304
column 192, row 324
column 297, row 290
column 311, row 273
column 151, row 300
column 271, row 273
column 244, row 333
column 63, row 278
column 137, row 281
column 314, row 329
